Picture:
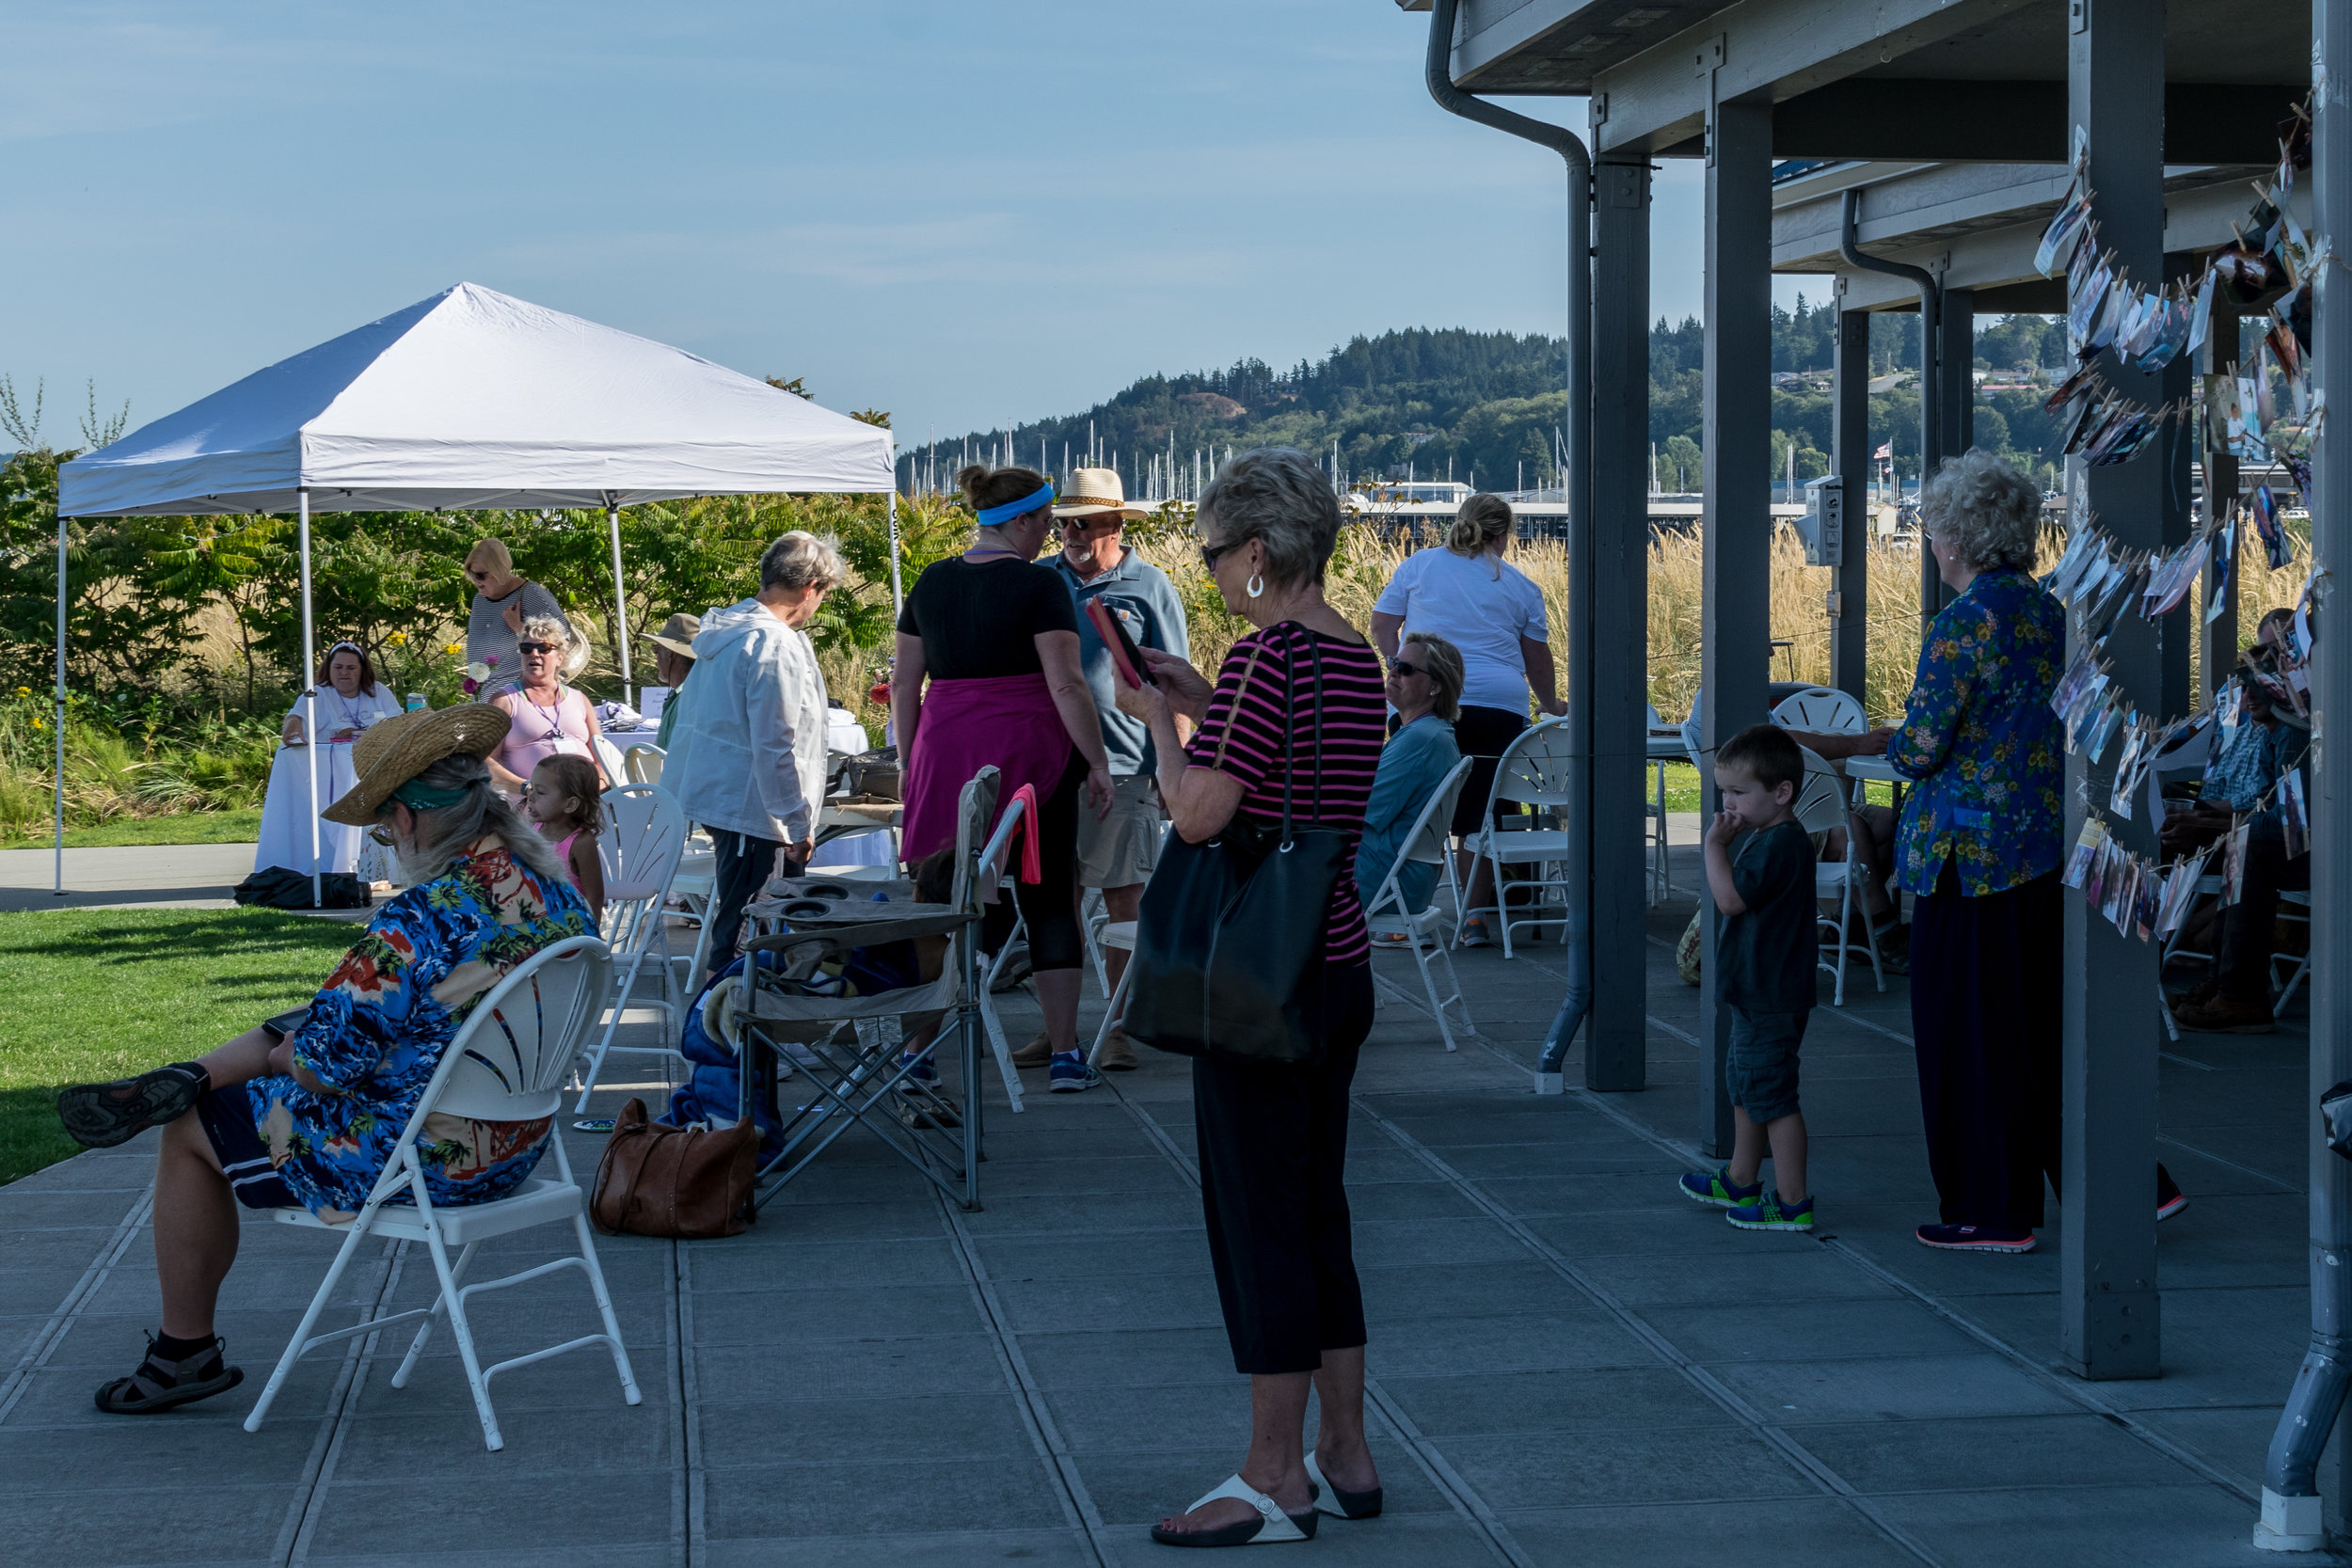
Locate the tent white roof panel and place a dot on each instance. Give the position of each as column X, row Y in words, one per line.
column 475, row 398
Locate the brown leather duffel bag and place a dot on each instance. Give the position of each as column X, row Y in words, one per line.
column 662, row 1180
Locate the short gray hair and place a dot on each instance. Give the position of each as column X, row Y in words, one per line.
column 1278, row 497
column 799, row 560
column 1984, row 510
column 546, row 628
column 445, row 833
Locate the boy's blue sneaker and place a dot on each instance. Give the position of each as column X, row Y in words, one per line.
column 1070, row 1074
column 1768, row 1213
column 1717, row 1190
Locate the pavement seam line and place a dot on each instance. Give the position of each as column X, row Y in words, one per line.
column 1727, row 1398
column 1044, row 1434
column 318, row 1471
column 53, row 1333
column 2070, row 1389
column 686, row 1480
column 1440, row 1471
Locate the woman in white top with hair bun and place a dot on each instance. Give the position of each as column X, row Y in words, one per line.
column 1466, row 591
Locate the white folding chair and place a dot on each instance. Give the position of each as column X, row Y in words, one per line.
column 1094, row 916
column 1820, row 806
column 1821, row 708
column 2294, row 908
column 507, row 1063
column 1427, row 845
column 642, row 761
column 978, row 864
column 1533, row 772
column 645, row 835
column 1653, row 817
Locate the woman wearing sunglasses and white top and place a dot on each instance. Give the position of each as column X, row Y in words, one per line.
column 550, row 719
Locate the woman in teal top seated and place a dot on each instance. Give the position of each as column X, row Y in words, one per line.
column 1978, row 852
column 1424, row 685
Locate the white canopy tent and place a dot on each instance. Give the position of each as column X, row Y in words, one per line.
column 469, row 399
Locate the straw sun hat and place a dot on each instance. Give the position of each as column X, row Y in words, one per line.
column 1094, row 491
column 396, row 750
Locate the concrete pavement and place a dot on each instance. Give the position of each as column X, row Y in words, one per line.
column 1570, row 1364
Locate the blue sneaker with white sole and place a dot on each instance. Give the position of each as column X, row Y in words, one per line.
column 1771, row 1212
column 1717, row 1190
column 1070, row 1074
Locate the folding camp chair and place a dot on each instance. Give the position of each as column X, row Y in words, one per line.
column 1534, row 771
column 846, row 1059
column 644, row 837
column 1820, row 805
column 507, row 1063
column 1427, row 845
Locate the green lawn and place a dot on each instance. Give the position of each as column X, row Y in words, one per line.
column 1682, row 788
column 88, row 994
column 195, row 827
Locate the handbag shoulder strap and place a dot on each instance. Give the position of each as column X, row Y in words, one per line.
column 1225, row 737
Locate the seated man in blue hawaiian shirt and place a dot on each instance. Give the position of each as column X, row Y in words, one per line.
column 306, row 1109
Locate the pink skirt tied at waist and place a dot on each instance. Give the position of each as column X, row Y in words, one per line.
column 1008, row 722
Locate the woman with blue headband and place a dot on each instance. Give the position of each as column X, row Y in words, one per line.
column 997, row 637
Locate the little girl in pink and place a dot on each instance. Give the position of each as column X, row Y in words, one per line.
column 562, row 799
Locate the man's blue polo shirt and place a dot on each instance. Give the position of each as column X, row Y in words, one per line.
column 1146, row 604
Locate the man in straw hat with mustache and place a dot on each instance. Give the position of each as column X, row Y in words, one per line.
column 672, row 661
column 1117, row 852
column 306, row 1108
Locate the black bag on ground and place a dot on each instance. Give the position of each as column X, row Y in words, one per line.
column 279, row 888
column 1229, row 929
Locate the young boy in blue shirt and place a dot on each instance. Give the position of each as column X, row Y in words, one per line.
column 1759, row 871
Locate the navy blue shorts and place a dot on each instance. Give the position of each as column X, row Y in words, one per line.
column 1760, row 1068
column 228, row 1119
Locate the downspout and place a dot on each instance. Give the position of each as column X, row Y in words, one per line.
column 1578, row 488
column 1931, row 378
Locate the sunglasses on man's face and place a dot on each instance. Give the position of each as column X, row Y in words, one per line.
column 535, row 648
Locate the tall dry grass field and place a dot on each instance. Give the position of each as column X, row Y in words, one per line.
column 1669, row 668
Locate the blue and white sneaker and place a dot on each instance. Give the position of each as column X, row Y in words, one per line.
column 919, row 1075
column 1070, row 1074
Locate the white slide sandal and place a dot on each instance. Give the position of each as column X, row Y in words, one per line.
column 1271, row 1525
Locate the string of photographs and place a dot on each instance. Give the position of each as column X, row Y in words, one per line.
column 2100, row 582
column 2150, row 328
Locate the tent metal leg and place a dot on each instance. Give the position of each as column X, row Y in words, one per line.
column 57, row 790
column 309, row 694
column 620, row 599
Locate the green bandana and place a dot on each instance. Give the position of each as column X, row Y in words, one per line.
column 417, row 797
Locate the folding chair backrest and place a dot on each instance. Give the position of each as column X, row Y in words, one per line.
column 1691, row 727
column 1535, row 767
column 514, row 1050
column 976, row 808
column 1655, row 721
column 1821, row 803
column 644, row 833
column 1426, row 842
column 643, row 762
column 1821, row 708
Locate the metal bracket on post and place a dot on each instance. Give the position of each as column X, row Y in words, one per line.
column 1705, row 62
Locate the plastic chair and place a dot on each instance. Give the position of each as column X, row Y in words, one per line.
column 1533, row 772
column 1820, row 806
column 507, row 1063
column 1822, row 709
column 2294, row 907
column 644, row 837
column 1654, row 819
column 642, row 761
column 1425, row 845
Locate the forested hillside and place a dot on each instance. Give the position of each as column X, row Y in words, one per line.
column 1485, row 405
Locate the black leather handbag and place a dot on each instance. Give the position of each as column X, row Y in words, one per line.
column 1229, row 942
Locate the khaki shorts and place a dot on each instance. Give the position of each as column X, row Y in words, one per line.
column 1121, row 848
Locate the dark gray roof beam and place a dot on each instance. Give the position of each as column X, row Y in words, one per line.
column 1937, row 120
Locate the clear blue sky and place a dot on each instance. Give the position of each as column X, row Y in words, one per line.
column 960, row 213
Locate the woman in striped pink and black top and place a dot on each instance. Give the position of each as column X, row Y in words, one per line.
column 1303, row 688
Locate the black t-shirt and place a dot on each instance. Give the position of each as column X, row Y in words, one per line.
column 1765, row 958
column 980, row 620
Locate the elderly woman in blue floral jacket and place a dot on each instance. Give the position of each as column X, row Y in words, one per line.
column 1978, row 850
column 307, row 1108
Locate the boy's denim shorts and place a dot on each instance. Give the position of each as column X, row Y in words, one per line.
column 1761, row 1066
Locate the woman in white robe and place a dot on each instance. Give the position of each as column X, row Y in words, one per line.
column 350, row 699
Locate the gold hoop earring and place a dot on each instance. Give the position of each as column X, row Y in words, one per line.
column 1255, row 586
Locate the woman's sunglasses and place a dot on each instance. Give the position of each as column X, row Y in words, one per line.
column 1398, row 667
column 1211, row 554
column 534, row 647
